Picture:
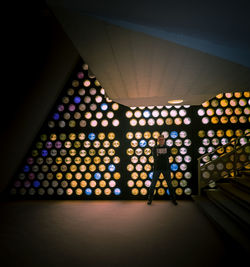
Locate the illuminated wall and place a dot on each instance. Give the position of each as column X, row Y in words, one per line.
column 93, row 148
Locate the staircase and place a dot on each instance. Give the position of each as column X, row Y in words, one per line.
column 227, row 205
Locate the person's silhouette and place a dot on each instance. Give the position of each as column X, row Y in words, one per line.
column 161, row 165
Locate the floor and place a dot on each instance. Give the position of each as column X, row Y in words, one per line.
column 109, row 233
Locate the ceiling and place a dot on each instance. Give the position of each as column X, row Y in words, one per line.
column 150, row 52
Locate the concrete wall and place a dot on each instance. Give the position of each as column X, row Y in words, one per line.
column 47, row 59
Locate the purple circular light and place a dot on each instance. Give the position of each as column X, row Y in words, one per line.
column 72, row 107
column 30, row 160
column 80, row 75
column 58, row 144
column 48, row 144
column 27, row 184
column 60, row 108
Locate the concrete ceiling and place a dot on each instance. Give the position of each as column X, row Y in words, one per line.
column 150, row 52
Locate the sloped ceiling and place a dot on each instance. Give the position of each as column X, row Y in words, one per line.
column 150, row 52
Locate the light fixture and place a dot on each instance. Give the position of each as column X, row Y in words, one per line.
column 176, row 101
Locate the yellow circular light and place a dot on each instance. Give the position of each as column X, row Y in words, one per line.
column 237, row 94
column 205, row 104
column 111, row 152
column 116, row 143
column 92, row 167
column 224, row 119
column 233, row 119
column 111, row 136
column 214, row 103
column 147, row 135
column 143, row 175
column 102, row 183
column 83, row 184
column 129, row 135
column 215, row 120
column 134, row 175
column 175, row 102
column 117, row 175
column 201, row 133
column 169, row 121
column 130, row 151
column 115, row 106
column 102, row 167
column 107, row 175
column 87, row 176
column 135, row 191
column 224, row 102
column 138, row 135
column 107, row 191
column 59, row 176
column 68, row 176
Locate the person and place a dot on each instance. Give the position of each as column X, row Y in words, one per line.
column 161, row 165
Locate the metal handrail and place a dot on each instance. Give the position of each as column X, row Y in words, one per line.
column 212, row 152
column 233, row 140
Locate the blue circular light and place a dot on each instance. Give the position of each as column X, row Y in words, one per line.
column 173, row 134
column 97, row 176
column 117, row 191
column 150, row 175
column 91, row 136
column 44, row 153
column 56, row 116
column 174, row 167
column 111, row 167
column 104, row 106
column 77, row 99
column 146, row 114
column 36, row 184
column 142, row 143
column 26, row 168
column 88, row 191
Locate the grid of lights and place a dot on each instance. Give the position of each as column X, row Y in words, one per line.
column 83, row 150
column 158, row 116
column 226, row 108
column 223, row 110
column 141, row 161
column 75, row 163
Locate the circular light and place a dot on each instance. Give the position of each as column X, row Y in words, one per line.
column 137, row 114
column 98, row 99
column 104, row 106
column 155, row 113
column 173, row 134
column 104, row 123
column 146, row 114
column 151, row 122
column 164, row 113
column 176, row 101
column 115, row 122
column 93, row 107
column 115, row 106
column 129, row 114
column 110, row 114
column 133, row 122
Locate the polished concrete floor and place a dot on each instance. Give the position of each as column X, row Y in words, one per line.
column 110, row 233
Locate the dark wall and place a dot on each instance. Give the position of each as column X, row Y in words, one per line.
column 38, row 59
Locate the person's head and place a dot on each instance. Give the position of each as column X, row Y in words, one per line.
column 161, row 140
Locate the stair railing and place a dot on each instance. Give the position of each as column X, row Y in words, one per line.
column 227, row 165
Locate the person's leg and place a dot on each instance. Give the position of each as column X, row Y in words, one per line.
column 167, row 176
column 152, row 186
